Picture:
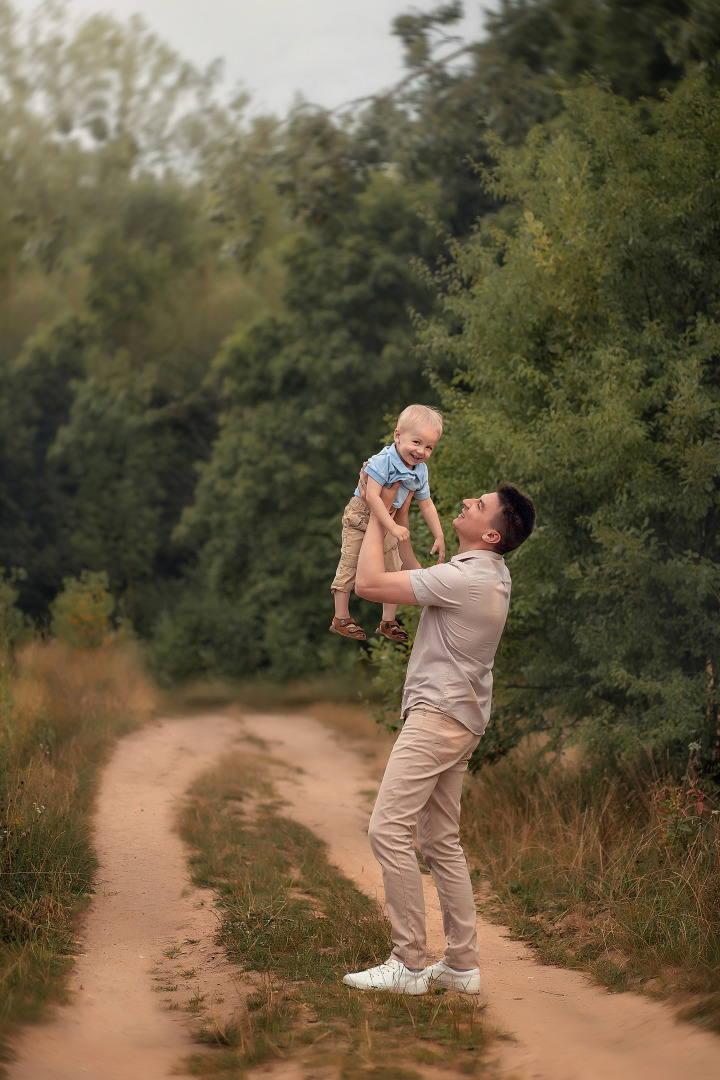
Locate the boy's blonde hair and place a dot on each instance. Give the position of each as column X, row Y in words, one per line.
column 421, row 415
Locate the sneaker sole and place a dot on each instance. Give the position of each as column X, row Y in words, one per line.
column 456, row 985
column 390, row 989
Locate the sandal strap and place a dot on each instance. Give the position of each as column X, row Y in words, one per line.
column 350, row 625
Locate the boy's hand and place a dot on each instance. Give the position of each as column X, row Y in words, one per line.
column 439, row 546
column 400, row 532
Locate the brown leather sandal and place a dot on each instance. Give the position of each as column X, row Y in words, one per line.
column 393, row 631
column 347, row 628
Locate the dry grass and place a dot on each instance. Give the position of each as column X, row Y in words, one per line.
column 617, row 875
column 261, row 695
column 60, row 712
column 295, row 925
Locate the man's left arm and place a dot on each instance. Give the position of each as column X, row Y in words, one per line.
column 372, row 580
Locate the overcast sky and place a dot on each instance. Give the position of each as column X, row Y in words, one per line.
column 330, row 50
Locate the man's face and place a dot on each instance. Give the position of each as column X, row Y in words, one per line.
column 415, row 444
column 475, row 520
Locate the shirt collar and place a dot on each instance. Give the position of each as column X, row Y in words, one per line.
column 399, row 460
column 481, row 553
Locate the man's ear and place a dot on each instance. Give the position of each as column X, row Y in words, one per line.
column 492, row 536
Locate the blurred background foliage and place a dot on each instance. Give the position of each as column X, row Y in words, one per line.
column 209, row 320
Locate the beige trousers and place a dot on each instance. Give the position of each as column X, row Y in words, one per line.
column 354, row 524
column 422, row 786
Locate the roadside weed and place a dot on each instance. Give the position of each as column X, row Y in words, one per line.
column 60, row 712
column 617, row 875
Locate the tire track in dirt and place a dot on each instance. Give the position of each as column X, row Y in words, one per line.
column 117, row 1025
column 117, row 1028
column 563, row 1026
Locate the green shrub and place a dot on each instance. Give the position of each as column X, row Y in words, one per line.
column 81, row 613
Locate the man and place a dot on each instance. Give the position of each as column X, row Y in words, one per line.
column 445, row 708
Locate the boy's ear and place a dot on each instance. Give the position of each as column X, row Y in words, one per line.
column 396, row 435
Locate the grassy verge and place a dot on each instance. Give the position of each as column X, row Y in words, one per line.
column 261, row 695
column 59, row 715
column 618, row 876
column 295, row 925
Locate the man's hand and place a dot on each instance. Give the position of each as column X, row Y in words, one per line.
column 362, row 481
column 386, row 494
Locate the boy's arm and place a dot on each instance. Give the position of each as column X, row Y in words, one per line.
column 387, row 494
column 428, row 511
column 373, row 497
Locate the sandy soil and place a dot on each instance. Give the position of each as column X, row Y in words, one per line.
column 147, row 941
column 118, row 1025
column 563, row 1027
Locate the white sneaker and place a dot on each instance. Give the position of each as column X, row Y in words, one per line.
column 440, row 976
column 392, row 976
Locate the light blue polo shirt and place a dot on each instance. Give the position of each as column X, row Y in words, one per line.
column 387, row 467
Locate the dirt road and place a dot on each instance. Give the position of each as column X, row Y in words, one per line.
column 118, row 1028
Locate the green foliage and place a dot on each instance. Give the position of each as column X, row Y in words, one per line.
column 35, row 398
column 204, row 636
column 587, row 373
column 415, row 30
column 185, row 294
column 308, row 395
column 113, row 302
column 81, row 613
column 14, row 624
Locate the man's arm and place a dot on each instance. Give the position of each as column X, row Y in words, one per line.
column 372, row 580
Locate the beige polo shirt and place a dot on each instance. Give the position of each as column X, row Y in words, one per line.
column 466, row 604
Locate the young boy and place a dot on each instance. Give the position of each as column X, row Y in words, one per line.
column 416, row 436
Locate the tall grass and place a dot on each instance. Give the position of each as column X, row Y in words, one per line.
column 296, row 925
column 619, row 875
column 60, row 712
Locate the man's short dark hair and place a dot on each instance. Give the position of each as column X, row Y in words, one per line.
column 515, row 519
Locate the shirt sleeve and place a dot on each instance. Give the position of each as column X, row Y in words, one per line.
column 444, row 586
column 378, row 467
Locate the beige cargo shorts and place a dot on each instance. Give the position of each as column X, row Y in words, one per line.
column 354, row 524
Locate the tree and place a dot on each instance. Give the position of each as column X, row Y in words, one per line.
column 145, row 409
column 586, row 343
column 310, row 394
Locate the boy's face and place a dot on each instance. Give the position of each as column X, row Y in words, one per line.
column 415, row 444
